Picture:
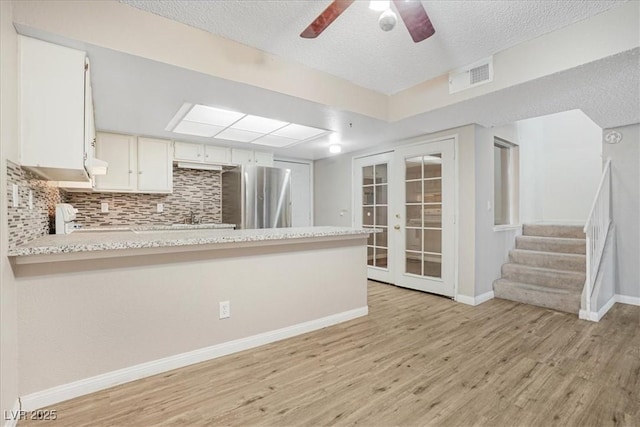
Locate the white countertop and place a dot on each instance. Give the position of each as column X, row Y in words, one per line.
column 150, row 237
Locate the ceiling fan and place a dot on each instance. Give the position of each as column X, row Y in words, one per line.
column 411, row 11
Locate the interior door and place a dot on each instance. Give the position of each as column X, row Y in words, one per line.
column 423, row 217
column 371, row 210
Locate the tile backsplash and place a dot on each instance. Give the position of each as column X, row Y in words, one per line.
column 194, row 190
column 29, row 222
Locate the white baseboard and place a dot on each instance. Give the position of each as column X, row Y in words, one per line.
column 11, row 419
column 627, row 300
column 595, row 316
column 68, row 391
column 464, row 299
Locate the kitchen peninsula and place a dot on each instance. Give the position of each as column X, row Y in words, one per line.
column 114, row 306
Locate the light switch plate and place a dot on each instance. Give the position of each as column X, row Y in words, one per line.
column 31, row 199
column 160, row 207
column 104, row 207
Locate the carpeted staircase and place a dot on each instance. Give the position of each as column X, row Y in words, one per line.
column 547, row 268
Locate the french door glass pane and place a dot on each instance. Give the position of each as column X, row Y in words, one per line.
column 414, row 239
column 381, row 215
column 432, row 265
column 414, row 215
column 381, row 258
column 375, row 212
column 367, row 216
column 381, row 173
column 381, row 238
column 423, row 210
column 381, row 194
column 367, row 175
column 367, row 195
column 413, row 263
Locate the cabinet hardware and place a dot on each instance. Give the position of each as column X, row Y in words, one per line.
column 397, row 227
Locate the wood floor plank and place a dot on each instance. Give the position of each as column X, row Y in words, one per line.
column 417, row 359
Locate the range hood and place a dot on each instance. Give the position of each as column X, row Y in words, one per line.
column 96, row 166
column 201, row 166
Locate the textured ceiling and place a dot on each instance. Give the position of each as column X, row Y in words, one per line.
column 354, row 48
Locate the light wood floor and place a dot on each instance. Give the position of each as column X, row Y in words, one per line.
column 417, row 359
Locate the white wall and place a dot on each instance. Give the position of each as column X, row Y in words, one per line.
column 625, row 170
column 492, row 246
column 560, row 167
column 9, row 148
column 332, row 191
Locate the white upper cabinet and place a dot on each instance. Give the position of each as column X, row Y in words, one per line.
column 187, row 151
column 250, row 157
column 141, row 165
column 155, row 168
column 120, row 151
column 52, row 110
column 214, row 154
column 201, row 153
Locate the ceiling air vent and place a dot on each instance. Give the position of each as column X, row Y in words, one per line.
column 472, row 75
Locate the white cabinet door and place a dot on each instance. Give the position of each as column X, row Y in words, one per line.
column 119, row 151
column 214, row 154
column 250, row 157
column 52, row 102
column 262, row 158
column 187, row 151
column 155, row 173
column 241, row 157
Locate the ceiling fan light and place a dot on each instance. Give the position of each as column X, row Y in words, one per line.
column 387, row 20
column 379, row 5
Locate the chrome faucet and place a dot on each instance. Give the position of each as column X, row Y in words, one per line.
column 192, row 219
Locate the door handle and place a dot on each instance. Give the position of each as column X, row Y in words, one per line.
column 396, row 227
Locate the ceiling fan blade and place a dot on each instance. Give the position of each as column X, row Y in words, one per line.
column 415, row 18
column 325, row 18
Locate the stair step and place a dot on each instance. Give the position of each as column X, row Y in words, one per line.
column 554, row 261
column 553, row 230
column 544, row 276
column 567, row 300
column 552, row 244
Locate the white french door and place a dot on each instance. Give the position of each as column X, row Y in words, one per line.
column 424, row 207
column 371, row 182
column 409, row 195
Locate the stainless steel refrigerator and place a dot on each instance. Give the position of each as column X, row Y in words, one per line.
column 256, row 197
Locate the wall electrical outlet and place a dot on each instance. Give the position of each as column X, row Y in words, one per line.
column 104, row 207
column 160, row 207
column 225, row 309
column 31, row 199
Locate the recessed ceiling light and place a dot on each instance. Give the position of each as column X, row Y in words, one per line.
column 258, row 124
column 275, row 141
column 238, row 135
column 212, row 116
column 335, row 149
column 197, row 129
column 298, row 132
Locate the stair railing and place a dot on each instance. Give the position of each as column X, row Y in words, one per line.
column 596, row 230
